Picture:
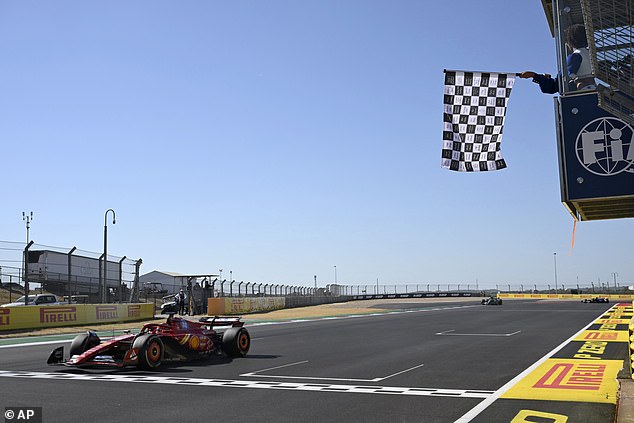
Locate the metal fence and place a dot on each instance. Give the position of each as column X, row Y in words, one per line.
column 68, row 272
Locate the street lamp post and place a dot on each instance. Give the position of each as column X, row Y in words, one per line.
column 555, row 256
column 105, row 252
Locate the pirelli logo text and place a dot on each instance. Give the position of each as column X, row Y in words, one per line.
column 573, row 376
column 58, row 314
column 5, row 314
column 591, row 350
column 605, row 336
column 106, row 312
column 134, row 310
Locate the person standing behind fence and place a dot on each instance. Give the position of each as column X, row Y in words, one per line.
column 578, row 64
column 180, row 299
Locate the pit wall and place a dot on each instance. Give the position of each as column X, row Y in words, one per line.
column 219, row 306
column 611, row 297
column 39, row 317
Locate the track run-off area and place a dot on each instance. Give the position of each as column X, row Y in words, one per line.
column 523, row 361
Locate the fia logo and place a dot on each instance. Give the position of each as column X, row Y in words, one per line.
column 604, row 147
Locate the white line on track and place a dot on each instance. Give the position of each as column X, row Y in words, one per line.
column 30, row 344
column 224, row 383
column 376, row 379
column 451, row 333
column 473, row 413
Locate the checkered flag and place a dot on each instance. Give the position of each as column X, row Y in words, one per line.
column 474, row 110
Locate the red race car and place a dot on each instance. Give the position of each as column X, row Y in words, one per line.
column 175, row 340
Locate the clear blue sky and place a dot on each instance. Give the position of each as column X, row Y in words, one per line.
column 278, row 139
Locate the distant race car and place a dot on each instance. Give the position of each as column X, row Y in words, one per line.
column 491, row 301
column 175, row 340
column 596, row 300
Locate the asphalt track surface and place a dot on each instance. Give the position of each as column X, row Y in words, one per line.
column 421, row 363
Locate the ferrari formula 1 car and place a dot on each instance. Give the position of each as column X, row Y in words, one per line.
column 596, row 300
column 175, row 340
column 491, row 301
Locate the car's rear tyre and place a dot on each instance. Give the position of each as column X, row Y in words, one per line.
column 151, row 351
column 83, row 343
column 236, row 342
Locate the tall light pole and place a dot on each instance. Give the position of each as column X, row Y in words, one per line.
column 231, row 275
column 335, row 274
column 555, row 255
column 28, row 218
column 614, row 275
column 105, row 252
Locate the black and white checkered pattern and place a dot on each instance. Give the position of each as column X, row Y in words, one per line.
column 252, row 384
column 474, row 110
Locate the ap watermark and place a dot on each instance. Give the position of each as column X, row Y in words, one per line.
column 23, row 414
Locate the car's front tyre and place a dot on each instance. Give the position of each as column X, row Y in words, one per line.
column 151, row 351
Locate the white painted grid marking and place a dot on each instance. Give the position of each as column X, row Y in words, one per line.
column 376, row 379
column 224, row 383
column 451, row 332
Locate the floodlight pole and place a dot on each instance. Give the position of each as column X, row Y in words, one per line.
column 555, row 255
column 28, row 218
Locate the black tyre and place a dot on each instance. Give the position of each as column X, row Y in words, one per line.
column 236, row 342
column 151, row 351
column 83, row 343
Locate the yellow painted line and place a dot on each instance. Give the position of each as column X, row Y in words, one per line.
column 603, row 335
column 559, row 379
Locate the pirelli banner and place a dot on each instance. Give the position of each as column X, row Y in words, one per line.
column 217, row 306
column 37, row 317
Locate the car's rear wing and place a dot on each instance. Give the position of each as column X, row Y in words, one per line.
column 221, row 321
